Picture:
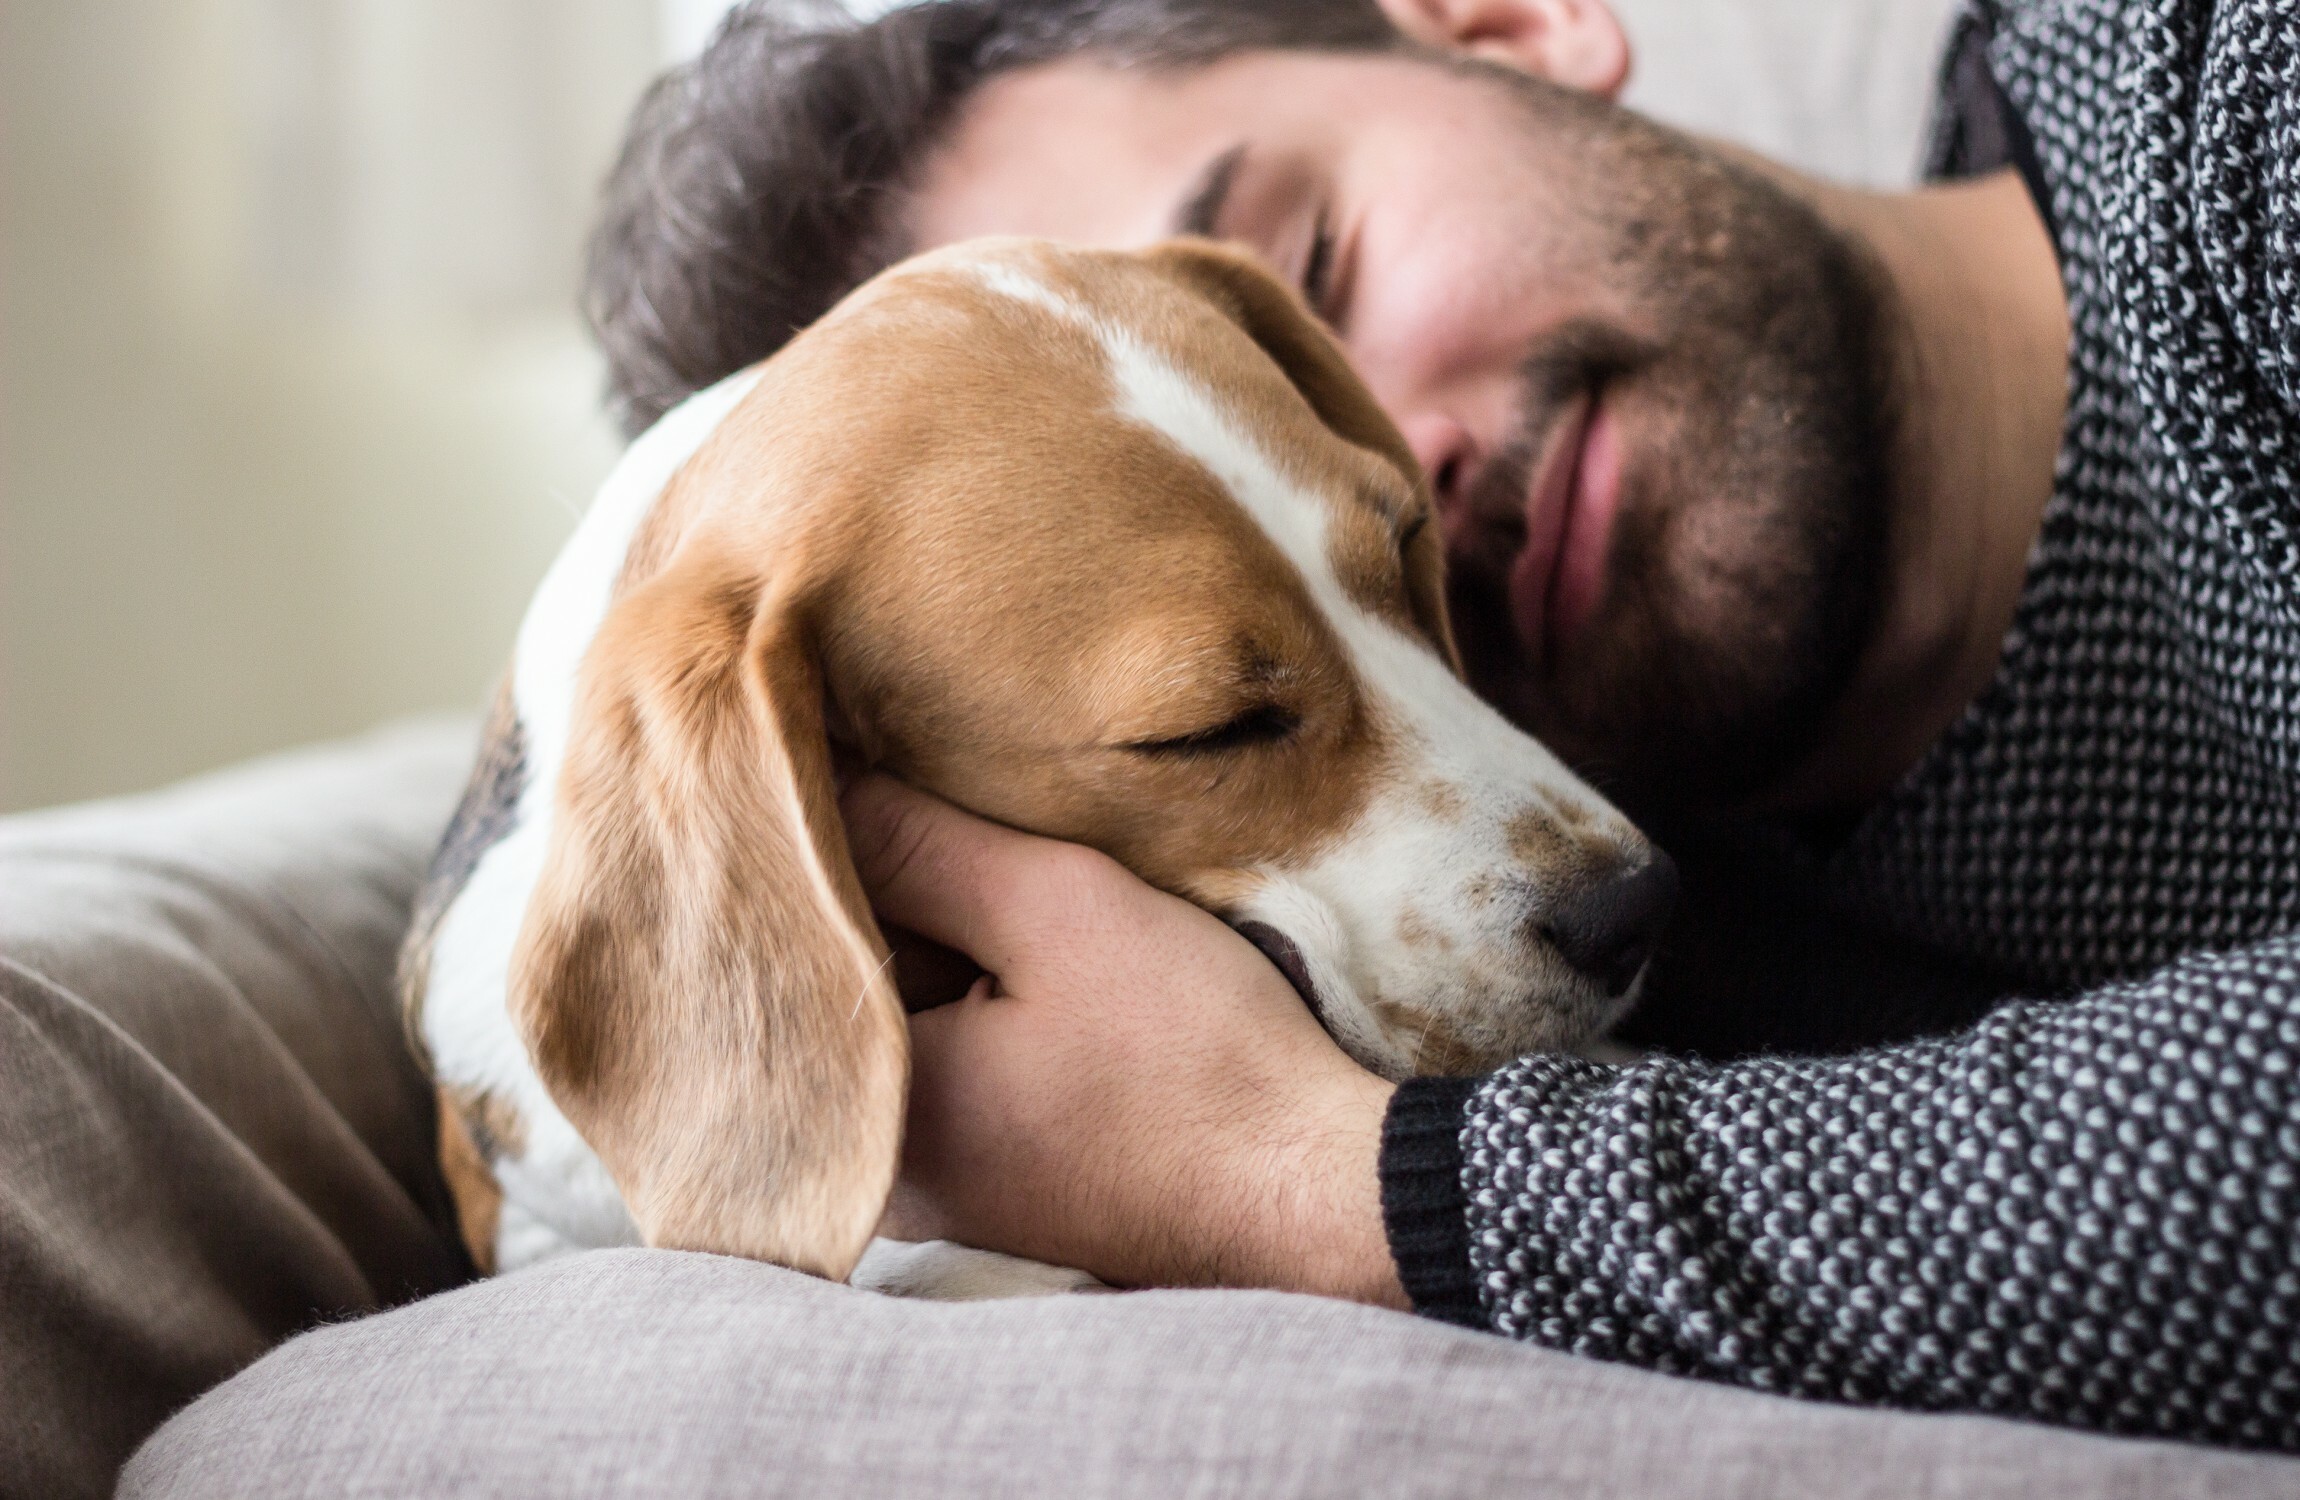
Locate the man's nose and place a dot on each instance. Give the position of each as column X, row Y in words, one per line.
column 1444, row 449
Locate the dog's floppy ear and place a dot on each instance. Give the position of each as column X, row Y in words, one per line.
column 1270, row 313
column 1243, row 288
column 698, row 977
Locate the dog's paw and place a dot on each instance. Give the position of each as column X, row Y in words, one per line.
column 943, row 1272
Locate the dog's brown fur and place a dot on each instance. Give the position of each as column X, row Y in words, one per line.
column 699, row 978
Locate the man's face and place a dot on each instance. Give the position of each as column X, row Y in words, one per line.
column 1645, row 384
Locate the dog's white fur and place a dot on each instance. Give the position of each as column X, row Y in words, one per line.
column 1343, row 909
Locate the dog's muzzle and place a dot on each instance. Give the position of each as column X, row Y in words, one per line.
column 1279, row 949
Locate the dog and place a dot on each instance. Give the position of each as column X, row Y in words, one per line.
column 1111, row 547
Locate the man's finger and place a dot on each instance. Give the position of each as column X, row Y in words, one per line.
column 931, row 867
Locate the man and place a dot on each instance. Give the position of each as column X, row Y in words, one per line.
column 1932, row 557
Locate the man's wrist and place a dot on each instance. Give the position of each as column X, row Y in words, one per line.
column 1355, row 1261
column 1316, row 1224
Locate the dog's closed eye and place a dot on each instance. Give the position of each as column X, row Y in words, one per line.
column 1263, row 724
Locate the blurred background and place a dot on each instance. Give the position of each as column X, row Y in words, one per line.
column 294, row 405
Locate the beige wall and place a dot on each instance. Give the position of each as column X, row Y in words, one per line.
column 279, row 460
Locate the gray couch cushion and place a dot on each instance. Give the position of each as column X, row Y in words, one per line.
column 212, row 1135
column 212, row 1131
column 648, row 1372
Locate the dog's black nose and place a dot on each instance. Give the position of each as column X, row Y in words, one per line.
column 1609, row 929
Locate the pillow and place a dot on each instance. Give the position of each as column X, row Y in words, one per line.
column 1843, row 88
column 657, row 1372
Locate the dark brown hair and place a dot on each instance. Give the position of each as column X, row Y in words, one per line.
column 762, row 181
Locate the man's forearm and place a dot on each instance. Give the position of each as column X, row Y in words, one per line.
column 2085, row 1212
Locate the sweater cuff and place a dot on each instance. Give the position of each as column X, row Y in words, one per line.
column 1424, row 1209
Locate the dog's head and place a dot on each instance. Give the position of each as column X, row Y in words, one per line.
column 1108, row 547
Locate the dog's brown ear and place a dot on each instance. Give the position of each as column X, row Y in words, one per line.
column 1274, row 317
column 699, row 978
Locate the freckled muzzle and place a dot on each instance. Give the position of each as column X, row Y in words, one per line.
column 1582, row 943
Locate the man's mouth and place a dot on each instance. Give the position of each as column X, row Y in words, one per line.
column 1570, row 506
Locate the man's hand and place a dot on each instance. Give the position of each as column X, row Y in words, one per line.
column 1132, row 1089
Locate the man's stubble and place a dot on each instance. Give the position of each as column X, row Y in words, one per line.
column 1747, row 560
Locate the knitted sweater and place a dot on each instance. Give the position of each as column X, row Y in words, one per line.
column 2085, row 1207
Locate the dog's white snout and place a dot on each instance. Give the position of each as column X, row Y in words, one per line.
column 1608, row 927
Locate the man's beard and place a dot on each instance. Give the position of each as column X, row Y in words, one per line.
column 1747, row 557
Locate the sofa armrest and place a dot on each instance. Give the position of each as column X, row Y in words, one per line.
column 213, row 1131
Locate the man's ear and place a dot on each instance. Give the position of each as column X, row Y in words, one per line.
column 1577, row 43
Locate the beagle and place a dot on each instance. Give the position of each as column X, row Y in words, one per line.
column 1109, row 547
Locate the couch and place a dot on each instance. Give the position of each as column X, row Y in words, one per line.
column 222, row 1239
column 226, row 1258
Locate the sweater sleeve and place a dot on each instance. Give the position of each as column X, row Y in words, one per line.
column 2082, row 1211
column 2244, row 185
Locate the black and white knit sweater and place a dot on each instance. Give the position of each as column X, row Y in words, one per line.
column 2084, row 1208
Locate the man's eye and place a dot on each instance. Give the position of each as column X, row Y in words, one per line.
column 1318, row 265
column 1265, row 724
